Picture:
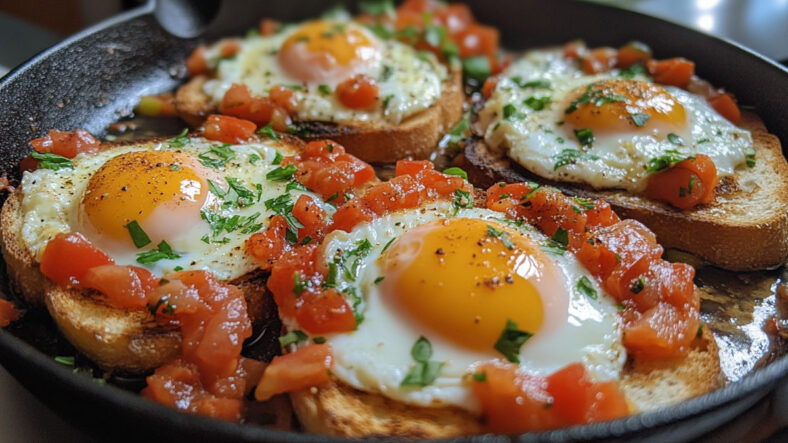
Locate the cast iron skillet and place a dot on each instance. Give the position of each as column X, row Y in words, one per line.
column 95, row 77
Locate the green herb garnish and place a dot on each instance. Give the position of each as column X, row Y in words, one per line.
column 511, row 340
column 138, row 236
column 459, row 172
column 163, row 251
column 425, row 372
column 292, row 337
column 584, row 286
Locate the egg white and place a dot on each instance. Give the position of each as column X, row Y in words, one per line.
column 412, row 82
column 51, row 205
column 536, row 138
column 376, row 356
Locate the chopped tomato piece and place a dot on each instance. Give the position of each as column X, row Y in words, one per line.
column 229, row 48
column 575, row 49
column 266, row 247
column 489, row 86
column 412, row 167
column 325, row 168
column 478, row 39
column 304, row 368
column 358, row 92
column 197, row 64
column 124, row 286
column 8, row 313
column 688, row 183
column 269, row 26
column 312, row 216
column 68, row 257
column 228, row 129
column 726, row 107
column 516, row 402
column 66, row 144
column 177, row 384
column 631, row 53
column 283, row 97
column 162, row 105
column 599, row 60
column 328, row 312
column 673, row 71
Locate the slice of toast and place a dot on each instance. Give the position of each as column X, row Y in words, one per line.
column 113, row 338
column 337, row 409
column 744, row 228
column 415, row 137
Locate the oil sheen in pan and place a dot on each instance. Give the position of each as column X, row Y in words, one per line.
column 737, row 307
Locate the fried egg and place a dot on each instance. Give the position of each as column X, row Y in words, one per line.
column 312, row 58
column 601, row 130
column 202, row 198
column 457, row 280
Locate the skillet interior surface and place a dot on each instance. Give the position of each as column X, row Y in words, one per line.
column 96, row 77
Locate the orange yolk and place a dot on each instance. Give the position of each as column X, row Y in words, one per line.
column 162, row 190
column 622, row 105
column 326, row 51
column 462, row 281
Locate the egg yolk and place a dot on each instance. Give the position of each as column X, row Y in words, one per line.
column 162, row 191
column 622, row 105
column 326, row 51
column 465, row 278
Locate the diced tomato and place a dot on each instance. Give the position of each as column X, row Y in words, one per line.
column 266, row 247
column 513, row 401
column 325, row 168
column 688, row 183
column 228, row 129
column 358, row 92
column 177, row 384
column 8, row 313
column 664, row 331
column 631, row 53
column 575, row 49
column 66, row 144
column 283, row 97
column 489, row 86
column 478, row 39
column 328, row 312
column 269, row 26
column 599, row 60
column 516, row 402
column 124, row 286
column 197, row 64
column 412, row 167
column 229, row 48
column 68, row 257
column 311, row 215
column 456, row 17
column 726, row 107
column 304, row 368
column 673, row 71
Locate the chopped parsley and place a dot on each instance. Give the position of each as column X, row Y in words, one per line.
column 670, row 157
column 537, row 103
column 179, row 140
column 501, row 235
column 675, row 139
column 509, row 111
column 138, row 236
column 459, row 131
column 268, row 131
column 584, row 136
column 462, row 199
column 292, row 337
column 254, row 158
column 586, row 288
column 379, row 7
column 163, row 251
column 324, row 89
column 639, row 119
column 319, row 340
column 388, row 71
column 459, row 172
column 48, row 160
column 584, row 203
column 476, row 68
column 386, row 246
column 638, row 285
column 543, row 84
column 283, row 205
column 277, row 158
column 511, row 340
column 219, row 223
column 570, row 157
column 236, row 195
column 750, row 159
column 632, row 71
column 425, row 372
column 65, row 360
column 561, row 236
column 216, row 156
column 480, row 376
column 386, row 100
column 553, row 247
column 597, row 97
column 691, row 184
column 281, row 174
column 378, row 280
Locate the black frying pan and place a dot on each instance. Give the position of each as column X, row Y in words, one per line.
column 95, row 77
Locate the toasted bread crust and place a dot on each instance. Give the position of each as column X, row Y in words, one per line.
column 337, row 409
column 416, row 137
column 741, row 230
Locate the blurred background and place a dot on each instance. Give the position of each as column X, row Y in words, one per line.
column 27, row 27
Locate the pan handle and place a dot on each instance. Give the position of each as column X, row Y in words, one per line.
column 186, row 18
